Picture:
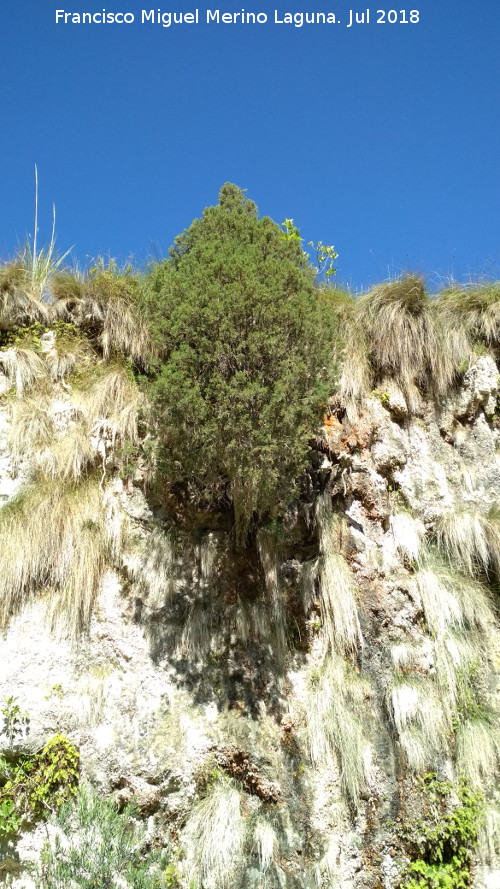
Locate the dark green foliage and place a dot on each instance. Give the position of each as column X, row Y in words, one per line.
column 444, row 840
column 247, row 345
column 102, row 849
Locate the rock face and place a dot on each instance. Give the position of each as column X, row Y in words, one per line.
column 290, row 698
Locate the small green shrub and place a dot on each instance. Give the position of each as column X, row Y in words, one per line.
column 96, row 847
column 383, row 397
column 442, row 843
column 35, row 786
column 55, row 776
column 15, row 721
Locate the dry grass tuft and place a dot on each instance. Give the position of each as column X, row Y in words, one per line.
column 109, row 401
column 420, row 719
column 214, row 837
column 407, row 533
column 335, row 712
column 356, row 378
column 474, row 309
column 151, row 566
column 32, row 428
column 266, row 842
column 54, row 538
column 105, row 303
column 125, row 332
column 68, row 292
column 111, row 297
column 19, row 305
column 408, row 339
column 202, row 631
column 69, row 351
column 24, row 366
column 489, row 836
column 337, row 590
column 267, row 550
column 478, row 749
column 72, row 455
column 451, row 601
column 471, row 540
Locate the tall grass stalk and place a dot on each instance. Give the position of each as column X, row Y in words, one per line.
column 42, row 264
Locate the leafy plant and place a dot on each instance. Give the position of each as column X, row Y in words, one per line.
column 38, row 785
column 325, row 257
column 55, row 775
column 14, row 719
column 9, row 821
column 325, row 253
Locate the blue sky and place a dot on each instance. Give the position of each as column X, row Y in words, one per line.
column 382, row 139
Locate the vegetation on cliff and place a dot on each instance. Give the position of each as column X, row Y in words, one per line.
column 247, row 347
column 219, row 379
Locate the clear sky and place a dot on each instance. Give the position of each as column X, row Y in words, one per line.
column 382, row 139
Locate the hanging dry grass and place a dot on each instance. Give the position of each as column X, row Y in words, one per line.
column 478, row 749
column 452, row 601
column 72, row 455
column 337, row 591
column 105, row 303
column 24, row 366
column 69, row 351
column 68, row 293
column 356, row 376
column 471, row 540
column 407, row 533
column 276, row 601
column 335, row 711
column 111, row 297
column 32, row 428
column 214, row 837
column 151, row 566
column 54, row 538
column 356, row 379
column 420, row 719
column 125, row 331
column 202, row 632
column 109, row 400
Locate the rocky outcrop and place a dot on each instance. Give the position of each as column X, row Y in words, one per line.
column 305, row 687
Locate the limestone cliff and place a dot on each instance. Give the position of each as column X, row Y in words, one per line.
column 275, row 712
